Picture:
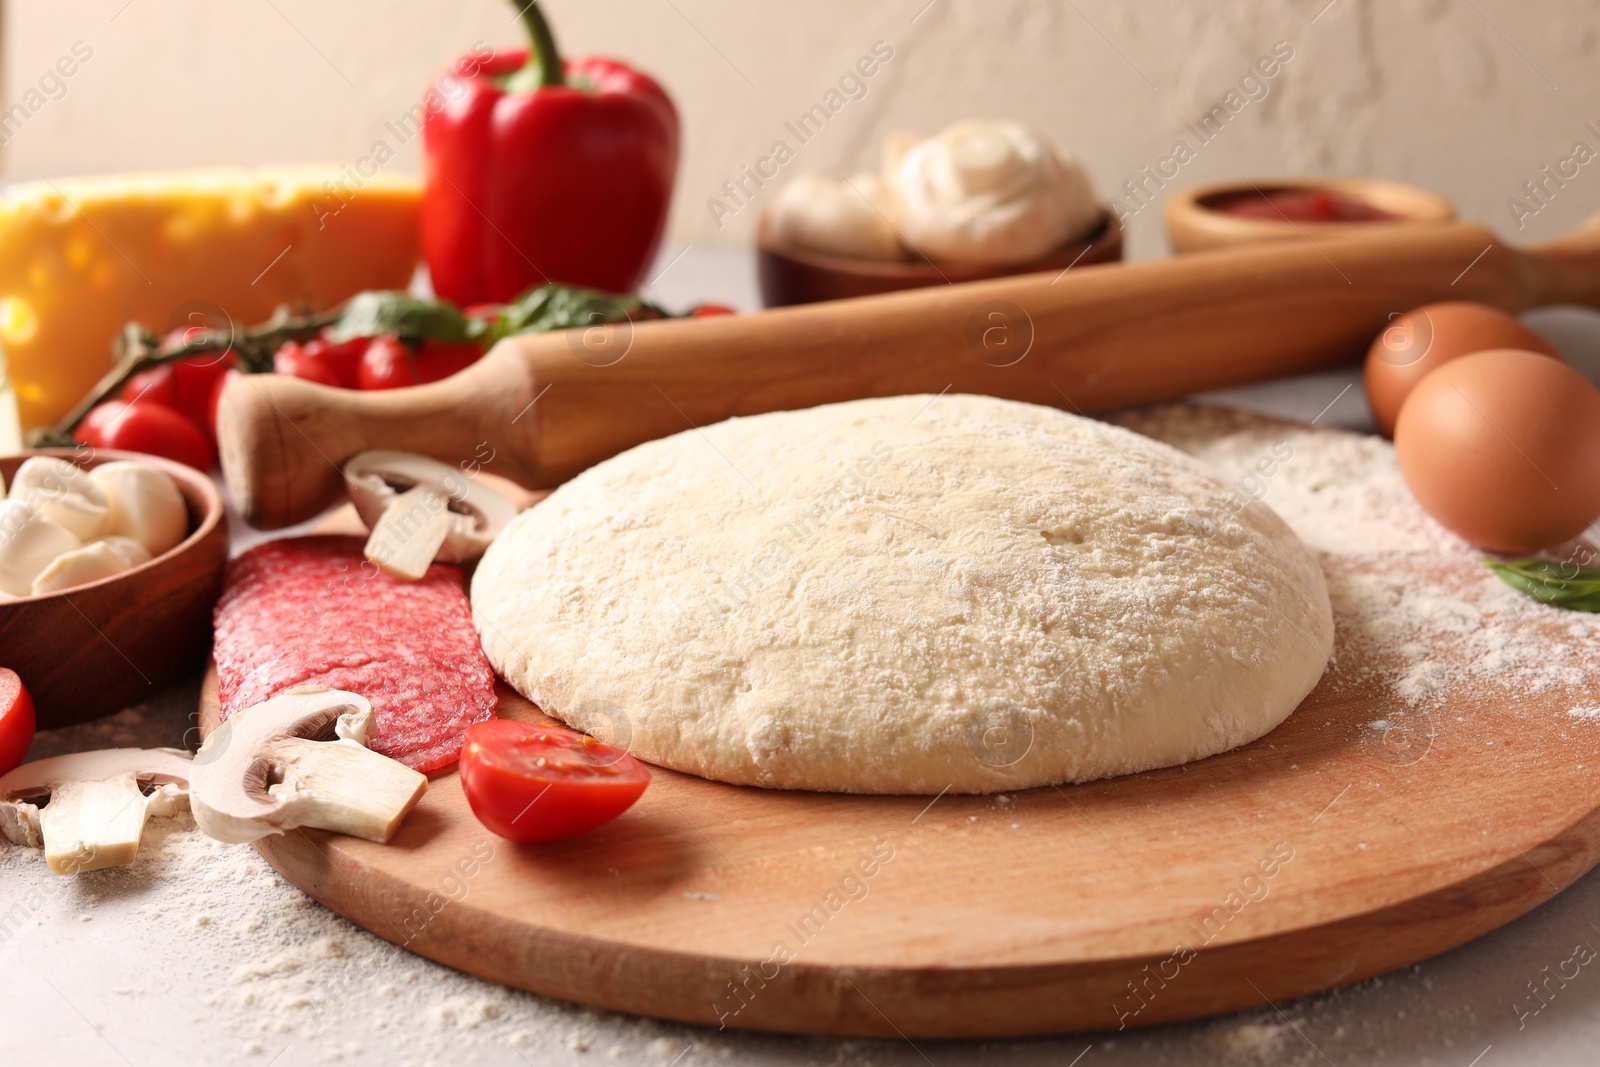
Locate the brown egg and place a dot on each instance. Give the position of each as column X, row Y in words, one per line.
column 1503, row 447
column 1430, row 336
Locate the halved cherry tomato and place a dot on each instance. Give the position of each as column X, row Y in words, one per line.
column 389, row 363
column 16, row 720
column 535, row 783
column 297, row 361
column 146, row 427
column 708, row 311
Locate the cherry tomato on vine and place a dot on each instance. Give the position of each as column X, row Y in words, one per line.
column 16, row 720
column 184, row 386
column 389, row 363
column 299, row 361
column 147, row 427
column 530, row 782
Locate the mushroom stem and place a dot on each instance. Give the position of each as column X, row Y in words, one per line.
column 408, row 535
column 90, row 825
column 343, row 787
column 98, row 805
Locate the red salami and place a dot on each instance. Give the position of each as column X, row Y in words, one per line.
column 312, row 611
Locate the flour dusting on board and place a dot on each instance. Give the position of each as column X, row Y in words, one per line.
column 1417, row 601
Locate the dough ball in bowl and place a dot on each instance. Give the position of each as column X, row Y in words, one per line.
column 837, row 218
column 990, row 193
column 906, row 595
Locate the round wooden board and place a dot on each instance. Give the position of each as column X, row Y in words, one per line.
column 1327, row 852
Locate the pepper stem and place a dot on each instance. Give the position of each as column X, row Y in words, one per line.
column 543, row 68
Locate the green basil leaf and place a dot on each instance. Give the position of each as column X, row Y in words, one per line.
column 373, row 313
column 563, row 307
column 1560, row 585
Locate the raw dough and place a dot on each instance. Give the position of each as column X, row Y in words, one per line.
column 906, row 595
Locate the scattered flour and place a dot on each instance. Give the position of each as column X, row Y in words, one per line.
column 1413, row 600
column 287, row 981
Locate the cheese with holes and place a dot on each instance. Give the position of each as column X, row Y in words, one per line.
column 80, row 257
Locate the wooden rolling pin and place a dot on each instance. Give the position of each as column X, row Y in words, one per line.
column 540, row 409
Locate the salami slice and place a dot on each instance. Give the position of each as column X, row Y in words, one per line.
column 312, row 611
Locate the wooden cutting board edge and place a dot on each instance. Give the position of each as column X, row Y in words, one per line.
column 929, row 1002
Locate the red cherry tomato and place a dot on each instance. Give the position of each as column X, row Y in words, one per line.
column 708, row 311
column 437, row 361
column 94, row 422
column 386, row 364
column 16, row 720
column 535, row 783
column 344, row 357
column 299, row 362
column 157, row 385
column 184, row 386
column 389, row 363
column 149, row 428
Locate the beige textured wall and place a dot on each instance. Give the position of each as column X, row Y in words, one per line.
column 1469, row 98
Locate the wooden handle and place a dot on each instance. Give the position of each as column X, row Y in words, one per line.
column 540, row 409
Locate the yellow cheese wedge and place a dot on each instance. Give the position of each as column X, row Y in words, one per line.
column 80, row 257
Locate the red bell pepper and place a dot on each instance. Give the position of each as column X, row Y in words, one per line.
column 543, row 170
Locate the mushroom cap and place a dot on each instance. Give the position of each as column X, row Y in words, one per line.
column 150, row 766
column 478, row 513
column 233, row 780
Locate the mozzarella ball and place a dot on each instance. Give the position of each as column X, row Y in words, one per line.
column 145, row 504
column 81, row 566
column 63, row 493
column 990, row 193
column 837, row 218
column 29, row 542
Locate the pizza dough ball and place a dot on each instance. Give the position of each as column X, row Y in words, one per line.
column 906, row 595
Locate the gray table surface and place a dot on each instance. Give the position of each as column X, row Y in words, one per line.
column 98, row 970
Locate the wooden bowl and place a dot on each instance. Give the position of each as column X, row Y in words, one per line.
column 792, row 275
column 97, row 648
column 1193, row 225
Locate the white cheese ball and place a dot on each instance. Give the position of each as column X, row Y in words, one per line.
column 146, row 505
column 80, row 567
column 990, row 193
column 837, row 218
column 63, row 493
column 29, row 543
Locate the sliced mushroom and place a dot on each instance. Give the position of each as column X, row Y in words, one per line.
column 63, row 493
column 144, row 504
column 98, row 803
column 453, row 520
column 28, row 544
column 300, row 759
